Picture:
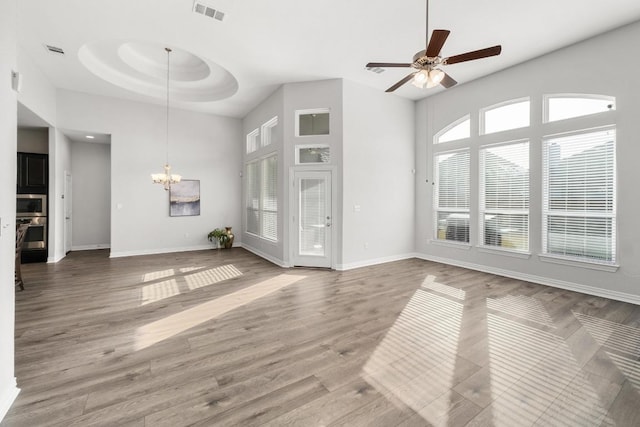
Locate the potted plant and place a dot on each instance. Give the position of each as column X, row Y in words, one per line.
column 222, row 238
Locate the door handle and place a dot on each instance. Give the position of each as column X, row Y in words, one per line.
column 328, row 224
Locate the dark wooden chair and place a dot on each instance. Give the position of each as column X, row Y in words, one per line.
column 21, row 232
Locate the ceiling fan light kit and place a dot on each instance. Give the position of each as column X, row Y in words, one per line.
column 427, row 63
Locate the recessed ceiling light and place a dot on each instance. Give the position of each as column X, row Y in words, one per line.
column 90, row 136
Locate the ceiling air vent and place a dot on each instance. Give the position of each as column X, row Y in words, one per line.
column 376, row 70
column 203, row 9
column 54, row 49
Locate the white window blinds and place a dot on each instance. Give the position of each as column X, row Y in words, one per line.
column 579, row 206
column 451, row 196
column 504, row 196
column 262, row 200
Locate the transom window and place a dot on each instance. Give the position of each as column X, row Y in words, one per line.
column 508, row 115
column 561, row 107
column 253, row 141
column 460, row 129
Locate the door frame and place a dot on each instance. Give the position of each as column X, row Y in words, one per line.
column 68, row 212
column 293, row 209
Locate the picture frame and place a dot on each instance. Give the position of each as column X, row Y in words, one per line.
column 184, row 198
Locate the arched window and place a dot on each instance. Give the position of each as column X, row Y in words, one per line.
column 566, row 106
column 512, row 114
column 460, row 129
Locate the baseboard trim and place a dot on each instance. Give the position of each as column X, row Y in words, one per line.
column 159, row 251
column 261, row 254
column 375, row 261
column 569, row 286
column 53, row 260
column 91, row 247
column 7, row 397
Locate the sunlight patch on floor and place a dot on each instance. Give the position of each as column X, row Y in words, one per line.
column 155, row 292
column 159, row 291
column 211, row 276
column 155, row 275
column 160, row 330
column 415, row 362
column 536, row 379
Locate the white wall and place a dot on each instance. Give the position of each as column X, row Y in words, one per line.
column 37, row 94
column 59, row 163
column 33, row 140
column 377, row 178
column 91, row 195
column 202, row 146
column 8, row 144
column 570, row 70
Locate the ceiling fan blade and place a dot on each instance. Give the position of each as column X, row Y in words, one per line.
column 476, row 54
column 447, row 81
column 437, row 41
column 400, row 83
column 385, row 64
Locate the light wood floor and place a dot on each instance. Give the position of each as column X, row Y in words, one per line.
column 225, row 338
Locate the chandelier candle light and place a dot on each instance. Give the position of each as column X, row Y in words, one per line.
column 166, row 178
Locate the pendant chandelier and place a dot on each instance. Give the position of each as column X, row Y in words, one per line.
column 166, row 178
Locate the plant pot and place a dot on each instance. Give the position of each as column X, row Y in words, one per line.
column 229, row 243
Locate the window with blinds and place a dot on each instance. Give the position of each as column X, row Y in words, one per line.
column 504, row 196
column 579, row 203
column 451, row 196
column 262, row 199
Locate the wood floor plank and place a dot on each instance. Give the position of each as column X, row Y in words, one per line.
column 410, row 343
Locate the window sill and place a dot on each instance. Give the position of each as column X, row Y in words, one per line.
column 504, row 252
column 451, row 244
column 611, row 268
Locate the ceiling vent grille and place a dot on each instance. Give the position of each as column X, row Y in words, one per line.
column 376, row 70
column 54, row 49
column 208, row 11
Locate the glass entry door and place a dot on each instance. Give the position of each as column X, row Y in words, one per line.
column 313, row 222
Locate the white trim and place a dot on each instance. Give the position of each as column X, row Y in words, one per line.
column 7, row 397
column 91, row 247
column 375, row 261
column 55, row 259
column 594, row 265
column 159, row 251
column 570, row 286
column 504, row 252
column 265, row 256
column 450, row 243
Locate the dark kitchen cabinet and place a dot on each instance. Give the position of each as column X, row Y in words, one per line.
column 33, row 173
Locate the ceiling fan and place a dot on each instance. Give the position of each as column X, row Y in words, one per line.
column 427, row 63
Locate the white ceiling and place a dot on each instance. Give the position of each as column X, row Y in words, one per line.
column 264, row 44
